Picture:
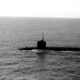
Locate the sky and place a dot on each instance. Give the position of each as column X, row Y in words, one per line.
column 40, row 8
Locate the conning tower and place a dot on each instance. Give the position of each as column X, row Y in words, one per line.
column 42, row 43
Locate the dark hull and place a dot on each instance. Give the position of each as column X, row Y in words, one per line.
column 53, row 48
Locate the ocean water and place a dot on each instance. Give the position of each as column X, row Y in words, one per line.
column 28, row 65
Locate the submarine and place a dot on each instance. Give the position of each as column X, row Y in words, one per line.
column 41, row 45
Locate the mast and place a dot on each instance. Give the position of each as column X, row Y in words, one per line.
column 42, row 36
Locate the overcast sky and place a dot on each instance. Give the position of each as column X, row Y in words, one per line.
column 40, row 8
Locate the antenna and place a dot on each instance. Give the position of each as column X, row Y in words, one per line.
column 42, row 36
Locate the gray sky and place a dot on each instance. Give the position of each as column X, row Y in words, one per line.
column 40, row 8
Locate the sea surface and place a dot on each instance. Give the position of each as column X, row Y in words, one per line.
column 28, row 65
